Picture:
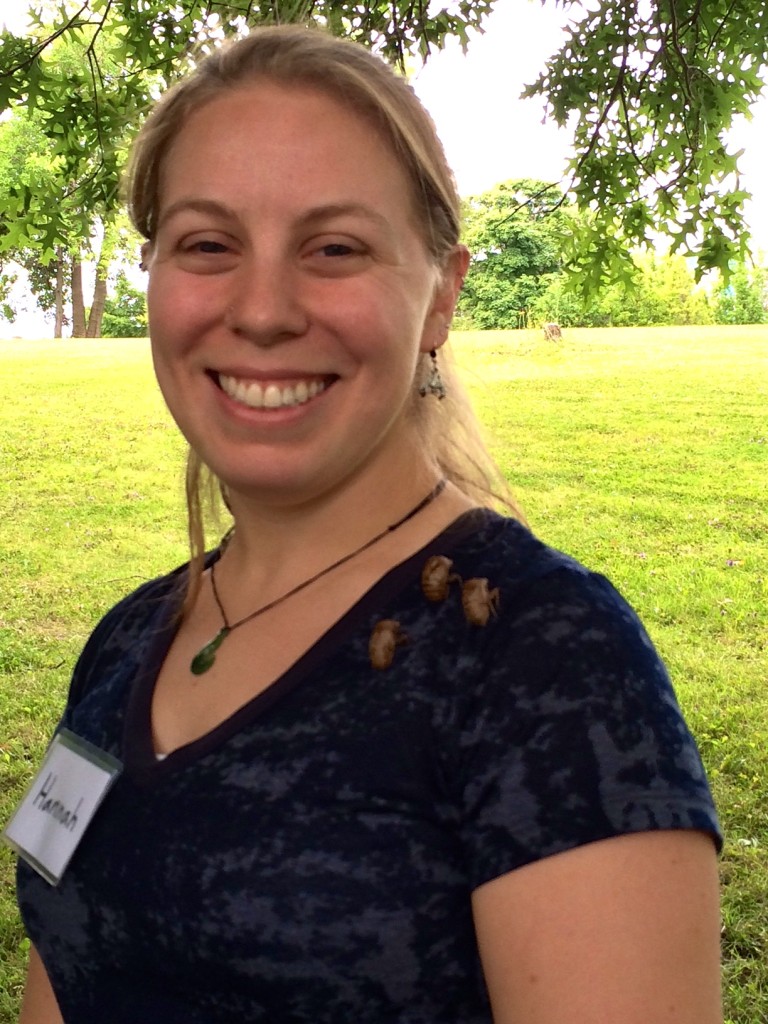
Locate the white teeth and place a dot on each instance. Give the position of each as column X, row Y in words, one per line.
column 250, row 394
column 271, row 396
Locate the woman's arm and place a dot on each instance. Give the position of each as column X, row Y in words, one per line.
column 625, row 929
column 39, row 1005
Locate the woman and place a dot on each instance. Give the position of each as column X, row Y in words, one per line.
column 385, row 756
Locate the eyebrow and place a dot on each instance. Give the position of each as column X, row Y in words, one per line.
column 330, row 210
column 209, row 206
column 315, row 214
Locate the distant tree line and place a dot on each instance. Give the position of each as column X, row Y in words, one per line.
column 520, row 233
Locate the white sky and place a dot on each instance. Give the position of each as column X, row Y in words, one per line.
column 490, row 135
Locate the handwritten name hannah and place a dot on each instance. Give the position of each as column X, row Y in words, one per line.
column 45, row 803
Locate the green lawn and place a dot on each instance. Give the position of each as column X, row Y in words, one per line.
column 644, row 452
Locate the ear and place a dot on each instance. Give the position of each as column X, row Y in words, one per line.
column 447, row 290
column 146, row 256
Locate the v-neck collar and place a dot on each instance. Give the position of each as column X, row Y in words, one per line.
column 138, row 748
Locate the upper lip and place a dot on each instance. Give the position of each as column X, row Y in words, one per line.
column 276, row 376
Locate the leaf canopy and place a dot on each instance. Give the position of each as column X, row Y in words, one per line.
column 649, row 88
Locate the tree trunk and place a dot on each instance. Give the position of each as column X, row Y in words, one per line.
column 78, row 308
column 58, row 327
column 99, row 301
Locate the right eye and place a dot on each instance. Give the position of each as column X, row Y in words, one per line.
column 337, row 249
column 204, row 246
column 205, row 254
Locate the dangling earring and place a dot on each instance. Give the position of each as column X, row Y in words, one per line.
column 434, row 385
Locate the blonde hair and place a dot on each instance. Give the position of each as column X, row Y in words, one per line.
column 296, row 56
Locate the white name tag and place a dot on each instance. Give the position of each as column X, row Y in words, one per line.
column 60, row 803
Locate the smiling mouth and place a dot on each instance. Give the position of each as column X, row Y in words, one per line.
column 271, row 396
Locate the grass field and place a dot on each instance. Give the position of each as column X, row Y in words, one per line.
column 643, row 452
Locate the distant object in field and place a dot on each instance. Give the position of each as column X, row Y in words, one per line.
column 552, row 332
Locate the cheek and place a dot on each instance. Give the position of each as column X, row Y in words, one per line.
column 168, row 336
column 382, row 324
column 157, row 305
column 173, row 387
column 174, row 311
column 163, row 369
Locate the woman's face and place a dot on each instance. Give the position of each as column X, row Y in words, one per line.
column 291, row 294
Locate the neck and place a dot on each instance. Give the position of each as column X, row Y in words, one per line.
column 206, row 656
column 274, row 545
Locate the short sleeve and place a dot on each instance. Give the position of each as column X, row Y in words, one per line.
column 571, row 731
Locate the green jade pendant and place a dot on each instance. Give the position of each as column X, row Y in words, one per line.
column 206, row 656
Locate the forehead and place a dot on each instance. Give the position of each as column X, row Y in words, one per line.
column 307, row 138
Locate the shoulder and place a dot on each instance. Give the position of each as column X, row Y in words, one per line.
column 544, row 598
column 565, row 726
column 150, row 608
column 559, row 632
column 556, row 638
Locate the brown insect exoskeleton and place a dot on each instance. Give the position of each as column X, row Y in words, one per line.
column 478, row 601
column 436, row 577
column 385, row 638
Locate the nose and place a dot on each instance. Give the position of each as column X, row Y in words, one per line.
column 265, row 304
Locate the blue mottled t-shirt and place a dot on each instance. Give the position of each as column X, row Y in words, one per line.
column 312, row 858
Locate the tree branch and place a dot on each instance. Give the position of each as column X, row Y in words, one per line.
column 47, row 42
column 721, row 26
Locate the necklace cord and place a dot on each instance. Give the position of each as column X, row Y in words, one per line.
column 206, row 656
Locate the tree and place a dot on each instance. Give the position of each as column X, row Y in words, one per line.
column 515, row 233
column 32, row 172
column 119, row 241
column 650, row 87
column 26, row 165
column 55, row 278
column 653, row 86
column 744, row 299
column 664, row 292
column 7, row 281
column 672, row 286
column 125, row 313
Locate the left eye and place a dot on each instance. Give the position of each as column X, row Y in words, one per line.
column 337, row 249
column 209, row 246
